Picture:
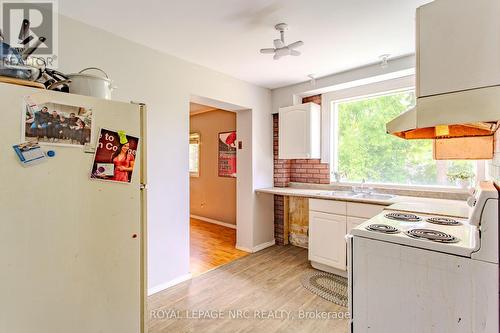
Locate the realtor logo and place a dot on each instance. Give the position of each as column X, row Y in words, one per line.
column 31, row 28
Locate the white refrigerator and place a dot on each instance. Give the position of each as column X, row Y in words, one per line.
column 72, row 249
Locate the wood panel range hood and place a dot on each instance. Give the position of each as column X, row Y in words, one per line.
column 457, row 76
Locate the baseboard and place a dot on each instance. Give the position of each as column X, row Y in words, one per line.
column 206, row 219
column 326, row 268
column 256, row 248
column 168, row 284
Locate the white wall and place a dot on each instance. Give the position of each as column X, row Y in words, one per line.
column 293, row 94
column 166, row 84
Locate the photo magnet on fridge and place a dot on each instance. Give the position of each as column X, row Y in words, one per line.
column 115, row 156
column 56, row 124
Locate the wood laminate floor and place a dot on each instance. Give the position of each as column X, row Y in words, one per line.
column 211, row 246
column 260, row 286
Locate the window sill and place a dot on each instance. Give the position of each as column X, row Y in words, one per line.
column 423, row 188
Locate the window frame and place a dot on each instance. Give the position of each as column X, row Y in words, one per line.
column 372, row 90
column 196, row 137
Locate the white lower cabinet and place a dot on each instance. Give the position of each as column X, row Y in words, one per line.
column 329, row 222
column 327, row 239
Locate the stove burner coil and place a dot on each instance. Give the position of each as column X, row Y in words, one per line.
column 403, row 217
column 432, row 235
column 443, row 221
column 383, row 228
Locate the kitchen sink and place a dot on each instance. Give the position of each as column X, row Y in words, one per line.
column 345, row 194
column 351, row 194
column 341, row 194
column 374, row 196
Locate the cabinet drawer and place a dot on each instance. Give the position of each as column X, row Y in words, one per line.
column 363, row 210
column 328, row 206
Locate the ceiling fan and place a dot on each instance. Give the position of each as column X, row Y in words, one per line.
column 280, row 48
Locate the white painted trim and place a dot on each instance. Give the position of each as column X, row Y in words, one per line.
column 264, row 246
column 169, row 284
column 206, row 219
column 256, row 248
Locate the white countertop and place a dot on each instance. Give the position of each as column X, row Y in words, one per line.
column 454, row 208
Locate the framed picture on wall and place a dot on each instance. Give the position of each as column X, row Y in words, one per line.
column 227, row 154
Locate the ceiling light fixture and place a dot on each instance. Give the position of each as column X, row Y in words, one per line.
column 280, row 48
column 384, row 60
column 312, row 78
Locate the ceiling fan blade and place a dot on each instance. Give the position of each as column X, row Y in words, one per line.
column 294, row 53
column 296, row 44
column 283, row 51
column 276, row 56
column 267, row 51
column 278, row 43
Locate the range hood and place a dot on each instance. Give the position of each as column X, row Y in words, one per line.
column 460, row 114
column 457, row 72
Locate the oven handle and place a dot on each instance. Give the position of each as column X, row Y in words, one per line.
column 349, row 239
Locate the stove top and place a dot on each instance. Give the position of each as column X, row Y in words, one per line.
column 383, row 228
column 432, row 235
column 437, row 233
column 443, row 221
column 406, row 217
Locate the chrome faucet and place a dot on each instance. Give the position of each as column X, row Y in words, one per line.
column 363, row 188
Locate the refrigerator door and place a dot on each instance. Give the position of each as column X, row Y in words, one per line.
column 70, row 247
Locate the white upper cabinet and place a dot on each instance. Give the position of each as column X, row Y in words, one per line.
column 299, row 131
column 458, row 46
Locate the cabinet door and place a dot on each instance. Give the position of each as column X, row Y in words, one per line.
column 299, row 131
column 327, row 243
column 458, row 46
column 294, row 133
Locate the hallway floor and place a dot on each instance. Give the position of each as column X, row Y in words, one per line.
column 211, row 246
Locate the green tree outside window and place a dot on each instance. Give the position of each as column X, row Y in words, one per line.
column 366, row 151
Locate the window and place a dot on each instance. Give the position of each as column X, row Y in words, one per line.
column 194, row 154
column 364, row 151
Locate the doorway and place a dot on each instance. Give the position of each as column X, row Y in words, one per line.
column 213, row 188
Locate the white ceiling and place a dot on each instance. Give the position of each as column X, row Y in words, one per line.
column 226, row 35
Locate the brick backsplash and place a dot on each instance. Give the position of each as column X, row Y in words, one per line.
column 279, row 222
column 309, row 171
column 281, row 167
column 315, row 99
